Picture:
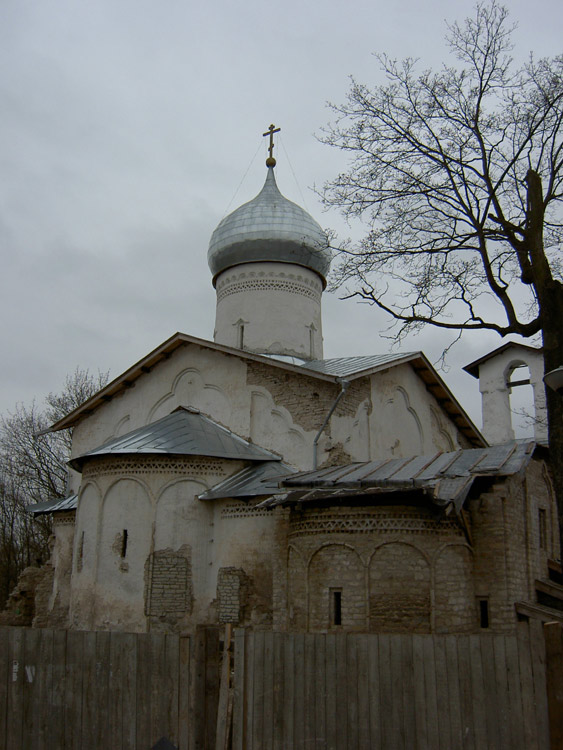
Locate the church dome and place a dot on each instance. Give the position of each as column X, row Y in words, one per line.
column 269, row 228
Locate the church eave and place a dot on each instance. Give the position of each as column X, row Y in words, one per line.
column 147, row 363
column 417, row 360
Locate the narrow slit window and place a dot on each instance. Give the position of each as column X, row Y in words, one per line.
column 483, row 604
column 80, row 553
column 336, row 607
column 124, row 543
column 241, row 337
column 542, row 523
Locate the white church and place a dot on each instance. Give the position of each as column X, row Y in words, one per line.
column 247, row 479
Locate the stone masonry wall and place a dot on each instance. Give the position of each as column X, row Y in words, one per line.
column 307, row 399
column 232, row 594
column 399, row 590
column 388, row 563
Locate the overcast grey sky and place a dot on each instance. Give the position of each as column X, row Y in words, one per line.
column 126, row 129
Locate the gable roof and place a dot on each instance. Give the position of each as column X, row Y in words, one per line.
column 184, row 432
column 329, row 370
column 54, row 506
column 473, row 367
column 445, row 477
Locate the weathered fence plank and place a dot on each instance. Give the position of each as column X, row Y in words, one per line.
column 74, row 671
column 501, row 678
column 103, row 735
column 407, row 680
column 385, row 691
column 310, row 689
column 442, row 694
column 526, row 681
column 490, row 689
column 240, row 706
column 352, row 690
column 258, row 702
column 452, row 669
column 184, row 672
column 288, row 690
column 331, row 692
column 56, row 704
column 554, row 679
column 465, row 694
column 363, row 693
column 31, row 690
column 478, row 695
column 419, row 692
column 341, row 728
column 89, row 690
column 4, row 677
column 514, row 696
column 374, row 697
column 299, row 694
column 268, row 692
column 279, row 691
column 537, row 654
column 432, row 716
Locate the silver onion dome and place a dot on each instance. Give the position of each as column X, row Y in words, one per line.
column 269, row 228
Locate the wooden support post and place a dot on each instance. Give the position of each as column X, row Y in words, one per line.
column 554, row 678
column 225, row 707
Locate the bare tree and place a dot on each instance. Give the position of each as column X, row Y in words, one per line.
column 33, row 469
column 459, row 176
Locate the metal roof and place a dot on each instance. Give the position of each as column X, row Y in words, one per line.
column 445, row 477
column 269, row 228
column 260, row 479
column 345, row 366
column 184, row 432
column 54, row 506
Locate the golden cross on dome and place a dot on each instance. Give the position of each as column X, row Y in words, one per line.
column 270, row 161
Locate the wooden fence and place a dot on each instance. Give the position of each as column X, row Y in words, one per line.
column 70, row 690
column 416, row 692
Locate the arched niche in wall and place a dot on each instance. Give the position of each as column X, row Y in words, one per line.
column 337, row 591
column 183, row 525
column 124, row 545
column 190, row 389
column 296, row 590
column 399, row 590
column 454, row 594
column 86, row 534
column 402, row 423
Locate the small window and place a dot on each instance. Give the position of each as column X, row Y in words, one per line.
column 483, row 611
column 80, row 560
column 124, row 543
column 542, row 525
column 335, row 607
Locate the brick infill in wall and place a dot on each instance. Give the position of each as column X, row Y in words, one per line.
column 169, row 583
